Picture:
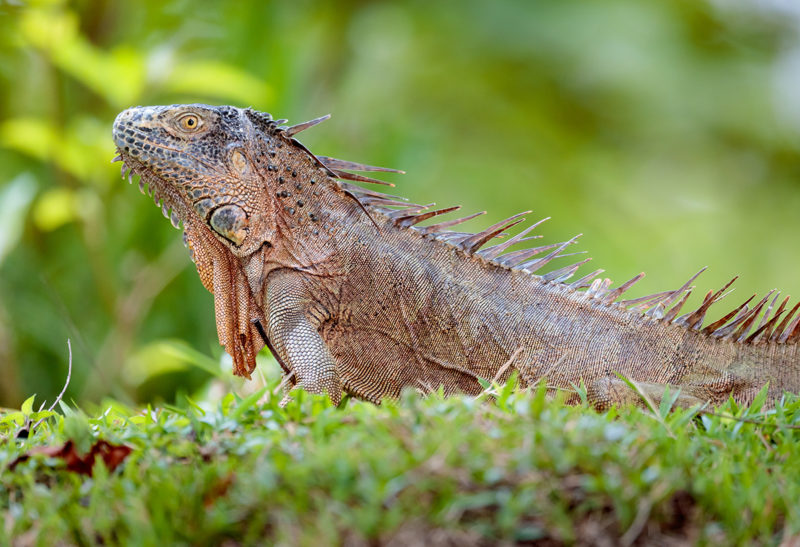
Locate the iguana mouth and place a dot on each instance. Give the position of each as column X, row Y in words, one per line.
column 134, row 145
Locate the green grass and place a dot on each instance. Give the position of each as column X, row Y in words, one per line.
column 509, row 465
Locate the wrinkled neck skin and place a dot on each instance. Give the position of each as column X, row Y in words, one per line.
column 310, row 220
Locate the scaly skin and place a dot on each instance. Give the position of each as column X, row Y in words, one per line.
column 351, row 297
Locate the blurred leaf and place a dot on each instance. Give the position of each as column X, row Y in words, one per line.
column 227, row 404
column 247, row 403
column 85, row 151
column 668, row 401
column 15, row 198
column 117, row 76
column 152, row 360
column 197, row 408
column 759, row 400
column 18, row 418
column 55, row 208
column 27, row 406
column 217, row 80
column 188, row 354
column 31, row 136
column 79, row 150
column 36, row 416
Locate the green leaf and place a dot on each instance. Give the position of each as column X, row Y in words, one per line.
column 668, row 401
column 217, row 80
column 227, row 404
column 27, row 406
column 509, row 387
column 66, row 409
column 36, row 416
column 485, row 384
column 681, row 417
column 13, row 417
column 647, row 401
column 247, row 402
column 176, row 409
column 642, row 395
column 582, row 392
column 188, row 354
column 194, row 405
column 759, row 400
column 539, row 398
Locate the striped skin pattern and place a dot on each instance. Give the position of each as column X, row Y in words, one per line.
column 358, row 291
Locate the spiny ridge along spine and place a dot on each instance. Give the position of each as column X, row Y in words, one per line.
column 663, row 306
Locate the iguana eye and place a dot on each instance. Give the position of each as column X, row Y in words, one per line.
column 189, row 122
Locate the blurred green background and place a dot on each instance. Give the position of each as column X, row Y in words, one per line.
column 668, row 132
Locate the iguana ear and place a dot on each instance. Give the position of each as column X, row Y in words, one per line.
column 234, row 307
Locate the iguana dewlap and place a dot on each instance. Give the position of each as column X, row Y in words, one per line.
column 353, row 294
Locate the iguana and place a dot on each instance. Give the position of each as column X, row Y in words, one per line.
column 353, row 294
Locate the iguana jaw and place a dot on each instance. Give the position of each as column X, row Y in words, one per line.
column 131, row 140
column 167, row 198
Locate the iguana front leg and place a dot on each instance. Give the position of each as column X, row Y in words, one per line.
column 292, row 330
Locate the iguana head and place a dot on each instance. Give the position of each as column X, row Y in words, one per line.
column 206, row 164
column 247, row 194
column 210, row 168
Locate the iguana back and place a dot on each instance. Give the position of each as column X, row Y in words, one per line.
column 353, row 293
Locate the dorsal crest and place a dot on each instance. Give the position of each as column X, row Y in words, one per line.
column 747, row 325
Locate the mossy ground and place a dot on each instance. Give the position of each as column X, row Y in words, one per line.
column 510, row 465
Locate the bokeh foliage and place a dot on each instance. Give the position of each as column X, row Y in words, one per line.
column 665, row 131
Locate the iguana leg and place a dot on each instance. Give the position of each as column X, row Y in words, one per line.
column 293, row 334
column 603, row 393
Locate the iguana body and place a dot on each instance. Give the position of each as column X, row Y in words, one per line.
column 352, row 295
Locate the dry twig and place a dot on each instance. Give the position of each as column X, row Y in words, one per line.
column 63, row 390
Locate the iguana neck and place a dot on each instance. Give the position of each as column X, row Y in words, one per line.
column 314, row 219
